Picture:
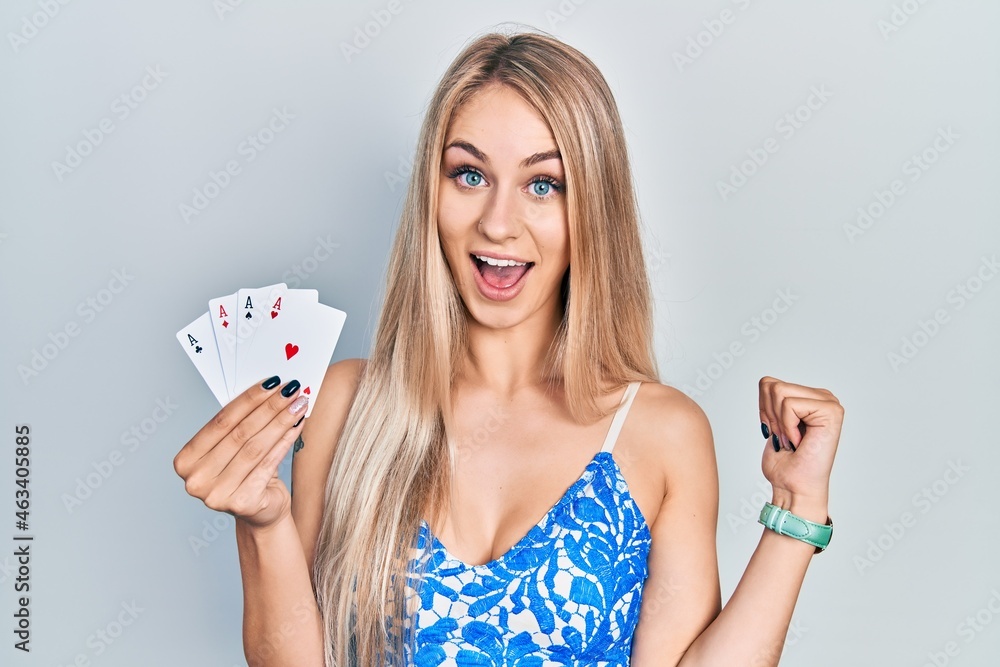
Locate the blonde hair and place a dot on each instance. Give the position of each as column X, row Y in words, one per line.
column 392, row 461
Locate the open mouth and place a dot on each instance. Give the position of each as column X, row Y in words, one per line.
column 501, row 277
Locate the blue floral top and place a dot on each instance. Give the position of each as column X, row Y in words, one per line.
column 568, row 593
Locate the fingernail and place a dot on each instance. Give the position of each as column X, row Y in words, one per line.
column 290, row 388
column 791, row 445
column 299, row 421
column 774, row 442
column 763, row 429
column 271, row 382
column 298, row 405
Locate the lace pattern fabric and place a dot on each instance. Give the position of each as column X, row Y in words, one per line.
column 568, row 593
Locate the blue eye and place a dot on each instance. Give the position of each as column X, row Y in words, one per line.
column 472, row 179
column 543, row 187
column 467, row 176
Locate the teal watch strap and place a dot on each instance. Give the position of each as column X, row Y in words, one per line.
column 784, row 522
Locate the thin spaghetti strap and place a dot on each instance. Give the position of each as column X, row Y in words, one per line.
column 616, row 423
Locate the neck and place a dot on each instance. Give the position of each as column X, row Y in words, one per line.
column 504, row 361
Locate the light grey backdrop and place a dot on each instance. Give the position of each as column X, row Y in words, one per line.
column 818, row 191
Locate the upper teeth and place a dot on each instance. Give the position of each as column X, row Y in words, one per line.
column 500, row 262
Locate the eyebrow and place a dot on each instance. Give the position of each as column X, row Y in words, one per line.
column 525, row 163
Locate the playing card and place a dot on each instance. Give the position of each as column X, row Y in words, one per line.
column 286, row 301
column 252, row 306
column 297, row 345
column 222, row 311
column 198, row 340
column 268, row 312
column 289, row 301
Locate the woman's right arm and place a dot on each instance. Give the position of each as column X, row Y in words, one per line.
column 231, row 464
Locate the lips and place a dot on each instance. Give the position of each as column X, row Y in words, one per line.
column 500, row 277
column 499, row 283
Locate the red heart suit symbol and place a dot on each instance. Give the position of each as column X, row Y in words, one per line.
column 274, row 314
column 291, row 350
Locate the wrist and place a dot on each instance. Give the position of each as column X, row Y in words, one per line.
column 261, row 532
column 796, row 520
column 813, row 508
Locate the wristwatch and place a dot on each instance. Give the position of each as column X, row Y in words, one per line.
column 784, row 522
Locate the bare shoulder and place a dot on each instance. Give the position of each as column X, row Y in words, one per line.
column 666, row 408
column 683, row 578
column 674, row 434
column 313, row 452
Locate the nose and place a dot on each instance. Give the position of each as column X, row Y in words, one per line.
column 501, row 216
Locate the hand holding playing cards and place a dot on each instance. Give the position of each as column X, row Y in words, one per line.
column 258, row 331
column 232, row 462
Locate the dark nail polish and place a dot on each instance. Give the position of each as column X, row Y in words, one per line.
column 763, row 429
column 271, row 382
column 774, row 441
column 791, row 445
column 290, row 388
column 299, row 421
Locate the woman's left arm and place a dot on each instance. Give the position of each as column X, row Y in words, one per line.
column 675, row 630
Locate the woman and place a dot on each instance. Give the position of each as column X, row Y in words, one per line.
column 517, row 298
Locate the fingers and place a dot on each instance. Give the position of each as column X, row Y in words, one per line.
column 785, row 420
column 239, row 458
column 769, row 404
column 225, row 466
column 249, row 494
column 260, row 449
column 223, row 423
column 244, row 436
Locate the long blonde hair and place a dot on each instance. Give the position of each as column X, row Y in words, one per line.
column 392, row 461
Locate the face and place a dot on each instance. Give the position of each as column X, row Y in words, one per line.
column 502, row 197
